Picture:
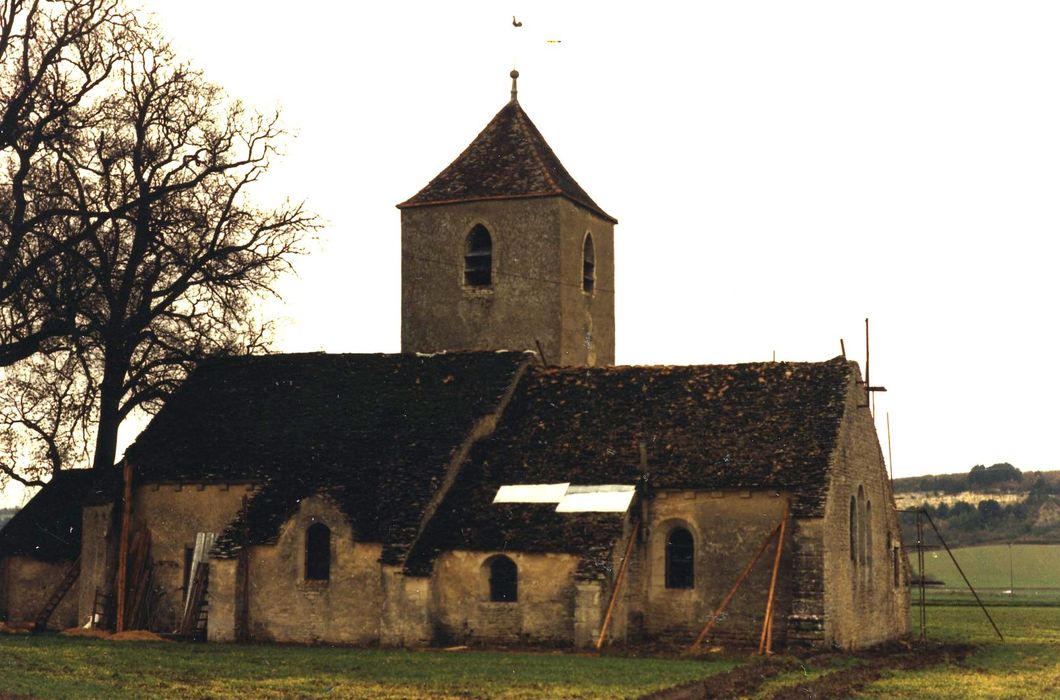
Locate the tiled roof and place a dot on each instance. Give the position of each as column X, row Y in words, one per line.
column 746, row 426
column 509, row 159
column 375, row 432
column 48, row 528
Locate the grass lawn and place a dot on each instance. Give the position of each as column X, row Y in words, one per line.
column 50, row 666
column 1025, row 665
column 987, row 566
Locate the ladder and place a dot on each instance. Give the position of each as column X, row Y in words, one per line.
column 193, row 624
column 69, row 577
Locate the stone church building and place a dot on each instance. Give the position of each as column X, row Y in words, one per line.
column 499, row 480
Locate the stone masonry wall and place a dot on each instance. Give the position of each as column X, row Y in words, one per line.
column 727, row 527
column 535, row 295
column 174, row 514
column 98, row 554
column 544, row 611
column 864, row 605
column 26, row 584
column 286, row 607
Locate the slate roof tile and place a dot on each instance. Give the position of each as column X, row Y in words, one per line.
column 510, row 159
column 48, row 528
column 375, row 432
column 747, row 426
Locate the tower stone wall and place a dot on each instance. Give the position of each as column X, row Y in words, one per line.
column 536, row 295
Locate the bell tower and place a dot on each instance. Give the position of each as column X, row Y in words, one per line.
column 503, row 250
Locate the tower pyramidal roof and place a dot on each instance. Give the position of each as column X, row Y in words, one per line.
column 509, row 159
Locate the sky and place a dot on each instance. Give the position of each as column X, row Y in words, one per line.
column 780, row 172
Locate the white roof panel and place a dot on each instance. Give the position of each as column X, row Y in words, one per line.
column 531, row 493
column 605, row 498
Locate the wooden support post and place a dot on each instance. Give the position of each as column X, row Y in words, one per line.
column 765, row 644
column 123, row 546
column 618, row 585
column 728, row 597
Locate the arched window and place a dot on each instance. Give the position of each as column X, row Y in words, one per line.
column 868, row 533
column 478, row 258
column 680, row 559
column 853, row 530
column 588, row 264
column 317, row 552
column 504, row 580
column 861, row 525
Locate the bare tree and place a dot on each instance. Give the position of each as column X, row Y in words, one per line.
column 175, row 276
column 54, row 57
column 159, row 260
column 47, row 416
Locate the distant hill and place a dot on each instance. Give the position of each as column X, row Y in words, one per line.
column 991, row 504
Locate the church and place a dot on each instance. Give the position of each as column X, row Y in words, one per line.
column 499, row 481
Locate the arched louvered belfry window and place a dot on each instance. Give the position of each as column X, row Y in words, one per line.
column 853, row 530
column 680, row 559
column 504, row 580
column 588, row 264
column 317, row 552
column 478, row 258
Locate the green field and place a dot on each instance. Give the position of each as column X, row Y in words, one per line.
column 51, row 666
column 1035, row 570
column 1026, row 665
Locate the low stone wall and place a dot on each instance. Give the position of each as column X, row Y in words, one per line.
column 25, row 586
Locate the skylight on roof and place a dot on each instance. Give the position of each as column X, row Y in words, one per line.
column 531, row 493
column 604, row 498
column 599, row 498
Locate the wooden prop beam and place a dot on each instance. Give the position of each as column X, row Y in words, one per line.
column 765, row 644
column 123, row 546
column 618, row 585
column 732, row 592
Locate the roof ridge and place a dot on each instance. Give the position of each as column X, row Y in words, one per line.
column 522, row 119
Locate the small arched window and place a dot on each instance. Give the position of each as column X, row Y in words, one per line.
column 853, row 530
column 861, row 525
column 478, row 258
column 868, row 533
column 504, row 580
column 317, row 552
column 588, row 264
column 680, row 559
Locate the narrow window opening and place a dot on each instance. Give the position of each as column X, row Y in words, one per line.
column 317, row 552
column 861, row 525
column 868, row 533
column 853, row 530
column 680, row 559
column 896, row 561
column 478, row 258
column 504, row 580
column 588, row 264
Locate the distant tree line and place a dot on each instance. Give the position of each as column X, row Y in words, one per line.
column 997, row 478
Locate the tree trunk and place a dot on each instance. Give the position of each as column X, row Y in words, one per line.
column 110, row 391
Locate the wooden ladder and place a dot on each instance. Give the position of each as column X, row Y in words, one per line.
column 194, row 622
column 71, row 575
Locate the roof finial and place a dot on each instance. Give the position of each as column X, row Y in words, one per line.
column 515, row 89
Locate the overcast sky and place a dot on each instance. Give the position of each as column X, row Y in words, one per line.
column 779, row 170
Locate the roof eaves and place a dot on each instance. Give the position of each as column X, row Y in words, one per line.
column 410, row 204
